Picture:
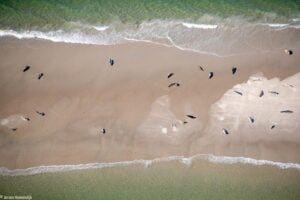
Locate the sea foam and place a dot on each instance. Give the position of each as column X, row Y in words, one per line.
column 277, row 25
column 282, row 26
column 147, row 163
column 213, row 37
column 100, row 28
column 54, row 36
column 200, row 26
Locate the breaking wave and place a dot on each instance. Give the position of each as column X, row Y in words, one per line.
column 221, row 38
column 56, row 36
column 101, row 28
column 282, row 26
column 203, row 26
column 147, row 163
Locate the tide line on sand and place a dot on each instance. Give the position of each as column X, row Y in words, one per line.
column 146, row 163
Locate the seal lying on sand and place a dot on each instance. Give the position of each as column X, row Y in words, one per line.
column 174, row 84
column 191, row 116
column 111, row 62
column 238, row 92
column 288, row 52
column 273, row 126
column 251, row 119
column 170, row 75
column 261, row 93
column 40, row 75
column 286, row 111
column 27, row 67
column 225, row 131
column 40, row 113
column 233, row 70
column 274, row 92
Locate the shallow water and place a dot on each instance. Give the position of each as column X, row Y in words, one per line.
column 45, row 13
column 216, row 27
column 171, row 180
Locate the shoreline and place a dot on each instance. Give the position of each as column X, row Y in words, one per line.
column 177, row 32
column 147, row 163
column 132, row 41
column 126, row 100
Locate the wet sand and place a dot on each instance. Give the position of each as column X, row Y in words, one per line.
column 81, row 93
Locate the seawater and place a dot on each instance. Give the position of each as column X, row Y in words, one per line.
column 219, row 27
column 146, row 163
column 201, row 179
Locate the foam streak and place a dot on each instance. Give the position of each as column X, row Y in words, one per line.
column 146, row 163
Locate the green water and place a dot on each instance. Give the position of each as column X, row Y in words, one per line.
column 38, row 14
column 202, row 180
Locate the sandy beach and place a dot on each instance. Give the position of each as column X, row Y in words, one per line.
column 80, row 94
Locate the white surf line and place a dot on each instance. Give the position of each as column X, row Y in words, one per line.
column 147, row 41
column 277, row 25
column 199, row 26
column 66, row 38
column 206, row 52
column 146, row 163
column 281, row 26
column 173, row 45
column 193, row 50
column 51, row 36
column 100, row 28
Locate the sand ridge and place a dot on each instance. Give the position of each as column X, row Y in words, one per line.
column 81, row 93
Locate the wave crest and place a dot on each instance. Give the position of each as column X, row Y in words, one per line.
column 147, row 163
column 221, row 38
column 201, row 26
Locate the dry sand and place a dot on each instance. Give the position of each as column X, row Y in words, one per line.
column 81, row 94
